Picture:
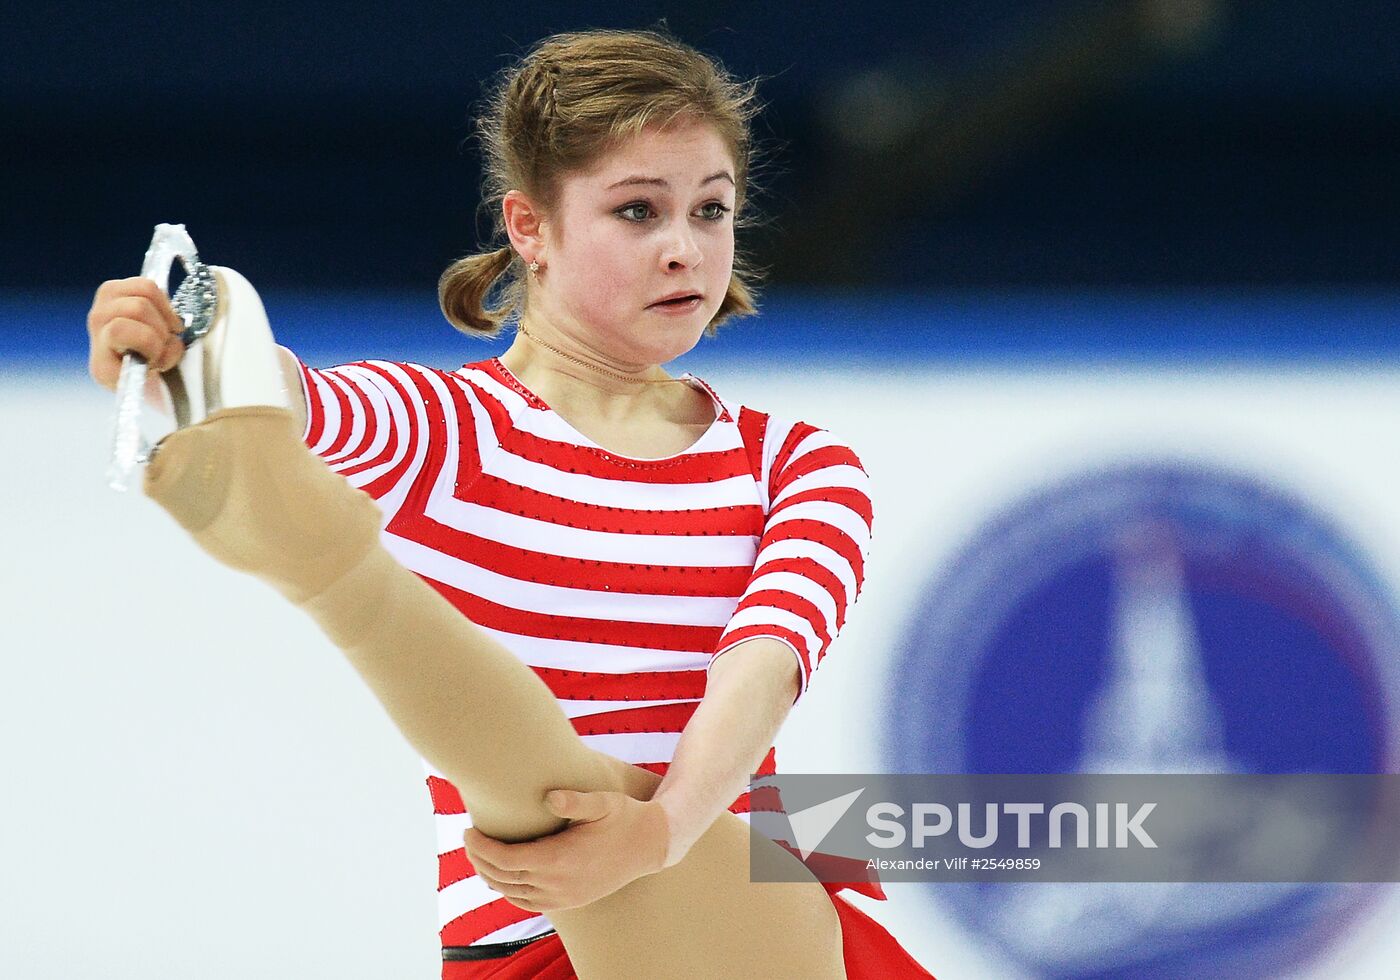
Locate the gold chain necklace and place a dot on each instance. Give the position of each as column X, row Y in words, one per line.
column 520, row 328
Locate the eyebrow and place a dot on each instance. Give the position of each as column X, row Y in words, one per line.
column 658, row 182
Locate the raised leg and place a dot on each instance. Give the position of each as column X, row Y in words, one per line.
column 252, row 496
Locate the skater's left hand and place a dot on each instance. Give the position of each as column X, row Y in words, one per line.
column 612, row 841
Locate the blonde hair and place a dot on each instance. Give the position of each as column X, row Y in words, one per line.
column 567, row 102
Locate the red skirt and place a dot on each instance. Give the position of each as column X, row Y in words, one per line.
column 870, row 952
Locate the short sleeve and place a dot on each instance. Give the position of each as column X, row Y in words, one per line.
column 816, row 539
column 382, row 424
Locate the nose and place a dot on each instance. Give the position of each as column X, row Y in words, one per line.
column 682, row 249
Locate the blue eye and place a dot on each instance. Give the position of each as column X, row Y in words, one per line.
column 715, row 215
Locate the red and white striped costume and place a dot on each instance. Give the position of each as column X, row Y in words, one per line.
column 618, row 580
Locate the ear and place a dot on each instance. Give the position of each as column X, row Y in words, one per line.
column 524, row 222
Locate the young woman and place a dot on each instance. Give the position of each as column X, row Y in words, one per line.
column 623, row 580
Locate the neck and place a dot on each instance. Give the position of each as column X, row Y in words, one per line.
column 552, row 360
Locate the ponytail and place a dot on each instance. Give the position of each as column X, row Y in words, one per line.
column 465, row 292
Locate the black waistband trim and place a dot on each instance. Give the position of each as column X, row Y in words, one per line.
column 488, row 951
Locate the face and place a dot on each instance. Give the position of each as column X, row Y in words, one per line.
column 651, row 220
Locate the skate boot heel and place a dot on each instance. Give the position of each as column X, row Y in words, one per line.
column 232, row 362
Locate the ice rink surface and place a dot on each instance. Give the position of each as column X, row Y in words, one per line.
column 197, row 785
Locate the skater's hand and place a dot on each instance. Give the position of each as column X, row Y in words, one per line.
column 612, row 841
column 131, row 315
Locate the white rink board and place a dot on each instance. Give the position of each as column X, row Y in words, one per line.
column 195, row 777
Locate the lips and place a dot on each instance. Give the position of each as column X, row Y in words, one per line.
column 677, row 299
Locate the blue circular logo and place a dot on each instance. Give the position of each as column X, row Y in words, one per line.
column 1145, row 619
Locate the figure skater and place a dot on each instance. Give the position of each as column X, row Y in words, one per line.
column 623, row 580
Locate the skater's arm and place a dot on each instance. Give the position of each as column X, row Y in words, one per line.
column 812, row 555
column 366, row 418
column 809, row 569
column 749, row 694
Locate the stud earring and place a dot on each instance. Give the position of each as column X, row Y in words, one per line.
column 535, row 268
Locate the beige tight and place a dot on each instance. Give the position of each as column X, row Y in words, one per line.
column 251, row 495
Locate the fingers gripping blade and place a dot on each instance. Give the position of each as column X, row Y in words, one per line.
column 194, row 302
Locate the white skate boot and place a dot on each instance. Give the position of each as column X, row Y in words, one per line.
column 230, row 356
